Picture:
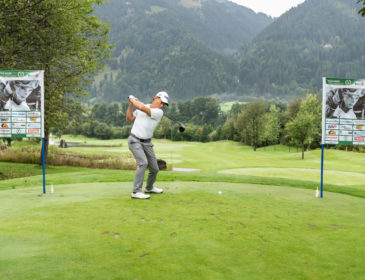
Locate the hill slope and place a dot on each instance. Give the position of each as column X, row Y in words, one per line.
column 316, row 39
column 176, row 45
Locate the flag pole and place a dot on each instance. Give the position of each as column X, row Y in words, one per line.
column 44, row 167
column 322, row 170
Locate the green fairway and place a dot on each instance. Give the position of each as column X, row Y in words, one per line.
column 266, row 224
column 95, row 231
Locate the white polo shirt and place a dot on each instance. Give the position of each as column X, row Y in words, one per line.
column 144, row 125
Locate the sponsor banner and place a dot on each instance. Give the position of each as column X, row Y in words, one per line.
column 34, row 119
column 33, row 114
column 345, row 132
column 331, row 132
column 5, row 125
column 20, row 73
column 18, row 131
column 18, row 114
column 33, row 135
column 19, row 125
column 332, row 138
column 346, row 138
column 359, row 122
column 33, row 130
column 5, row 131
column 346, row 121
column 359, row 127
column 359, row 133
column 359, row 143
column 346, row 127
column 331, row 142
column 33, row 125
column 332, row 126
column 26, row 105
column 343, row 111
column 333, row 121
column 23, row 120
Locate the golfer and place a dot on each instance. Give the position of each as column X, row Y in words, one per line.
column 347, row 99
column 145, row 118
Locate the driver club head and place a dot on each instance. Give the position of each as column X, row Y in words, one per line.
column 181, row 128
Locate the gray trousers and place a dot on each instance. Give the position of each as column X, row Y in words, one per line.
column 145, row 157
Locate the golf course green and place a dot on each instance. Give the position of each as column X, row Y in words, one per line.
column 242, row 215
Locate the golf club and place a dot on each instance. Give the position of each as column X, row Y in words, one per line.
column 181, row 126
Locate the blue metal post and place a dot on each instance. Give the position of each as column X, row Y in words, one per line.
column 322, row 171
column 44, row 167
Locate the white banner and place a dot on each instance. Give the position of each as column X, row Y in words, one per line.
column 21, row 103
column 343, row 112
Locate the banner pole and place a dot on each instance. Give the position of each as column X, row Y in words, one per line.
column 44, row 167
column 322, row 170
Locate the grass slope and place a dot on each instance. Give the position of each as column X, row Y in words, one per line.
column 95, row 231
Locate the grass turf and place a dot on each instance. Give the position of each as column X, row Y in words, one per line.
column 95, row 231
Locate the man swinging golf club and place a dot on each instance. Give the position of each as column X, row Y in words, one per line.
column 145, row 118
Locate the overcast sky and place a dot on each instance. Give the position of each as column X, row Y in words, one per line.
column 272, row 8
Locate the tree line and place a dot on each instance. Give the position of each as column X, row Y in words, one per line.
column 257, row 123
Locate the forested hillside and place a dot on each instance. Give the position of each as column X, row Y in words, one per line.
column 176, row 45
column 318, row 38
column 185, row 47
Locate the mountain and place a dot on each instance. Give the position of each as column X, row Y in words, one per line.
column 319, row 38
column 181, row 46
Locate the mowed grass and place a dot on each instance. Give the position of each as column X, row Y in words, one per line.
column 95, row 231
column 223, row 161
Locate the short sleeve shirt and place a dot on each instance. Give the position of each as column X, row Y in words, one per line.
column 144, row 125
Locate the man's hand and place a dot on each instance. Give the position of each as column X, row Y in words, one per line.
column 139, row 105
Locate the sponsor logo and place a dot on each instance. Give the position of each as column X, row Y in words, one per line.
column 331, row 132
column 18, row 125
column 332, row 126
column 33, row 125
column 359, row 122
column 359, row 127
column 346, row 122
column 331, row 137
column 33, row 135
column 345, row 132
column 346, row 138
column 330, row 142
column 346, row 127
column 34, row 131
column 5, row 114
column 33, row 114
column 332, row 121
column 34, row 119
column 5, row 125
column 2, row 131
column 23, row 120
column 359, row 143
column 359, row 133
column 18, row 114
column 4, row 119
column 359, row 139
column 18, row 131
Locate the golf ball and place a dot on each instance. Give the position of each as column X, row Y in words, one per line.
column 219, row 192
